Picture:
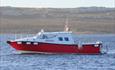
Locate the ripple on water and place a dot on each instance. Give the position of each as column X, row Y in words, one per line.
column 15, row 61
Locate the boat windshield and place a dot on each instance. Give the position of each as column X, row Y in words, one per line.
column 45, row 36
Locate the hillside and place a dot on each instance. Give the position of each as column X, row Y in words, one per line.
column 83, row 19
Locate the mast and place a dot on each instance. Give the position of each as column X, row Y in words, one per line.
column 66, row 26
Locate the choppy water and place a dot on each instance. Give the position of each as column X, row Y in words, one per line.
column 10, row 60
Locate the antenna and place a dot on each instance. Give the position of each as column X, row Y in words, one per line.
column 66, row 26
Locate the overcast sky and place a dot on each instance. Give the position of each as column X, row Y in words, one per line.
column 58, row 3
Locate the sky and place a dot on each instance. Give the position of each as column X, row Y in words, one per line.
column 58, row 3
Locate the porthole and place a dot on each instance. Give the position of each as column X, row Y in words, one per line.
column 96, row 45
column 35, row 43
column 28, row 43
column 19, row 42
column 66, row 39
column 60, row 39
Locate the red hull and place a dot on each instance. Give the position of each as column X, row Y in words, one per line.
column 57, row 48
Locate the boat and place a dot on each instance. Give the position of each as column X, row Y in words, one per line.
column 63, row 42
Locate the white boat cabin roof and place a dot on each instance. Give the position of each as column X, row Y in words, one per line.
column 51, row 37
column 54, row 37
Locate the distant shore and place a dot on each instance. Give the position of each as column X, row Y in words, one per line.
column 91, row 20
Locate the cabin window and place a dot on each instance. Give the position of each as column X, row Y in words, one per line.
column 60, row 39
column 66, row 39
column 44, row 37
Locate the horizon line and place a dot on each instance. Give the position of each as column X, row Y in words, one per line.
column 57, row 7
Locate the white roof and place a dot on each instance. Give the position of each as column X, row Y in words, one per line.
column 64, row 32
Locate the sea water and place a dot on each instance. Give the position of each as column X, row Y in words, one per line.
column 10, row 60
